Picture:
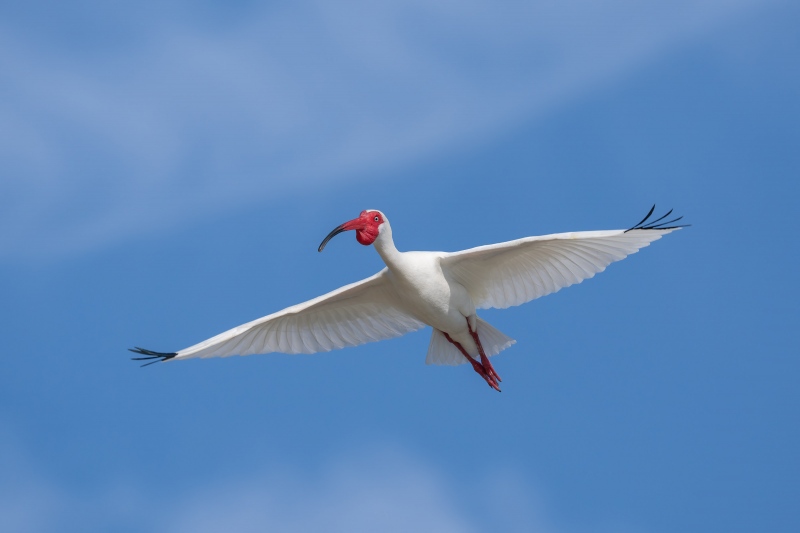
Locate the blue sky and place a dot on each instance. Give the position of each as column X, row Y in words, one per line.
column 168, row 170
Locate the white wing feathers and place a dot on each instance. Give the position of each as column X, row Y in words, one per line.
column 355, row 314
column 515, row 272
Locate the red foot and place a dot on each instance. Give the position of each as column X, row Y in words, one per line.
column 476, row 366
column 489, row 368
column 484, row 359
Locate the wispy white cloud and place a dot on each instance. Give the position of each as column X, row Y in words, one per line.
column 190, row 116
column 379, row 489
column 31, row 501
column 384, row 492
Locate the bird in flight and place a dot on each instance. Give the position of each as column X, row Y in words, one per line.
column 443, row 290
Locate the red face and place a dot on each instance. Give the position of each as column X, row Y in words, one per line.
column 366, row 226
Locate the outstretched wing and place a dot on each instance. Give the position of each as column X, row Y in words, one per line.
column 355, row 314
column 514, row 272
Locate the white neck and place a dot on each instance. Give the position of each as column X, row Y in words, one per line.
column 385, row 245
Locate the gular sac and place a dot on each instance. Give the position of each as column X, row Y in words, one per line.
column 367, row 235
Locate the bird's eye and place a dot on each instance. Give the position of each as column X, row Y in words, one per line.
column 376, row 219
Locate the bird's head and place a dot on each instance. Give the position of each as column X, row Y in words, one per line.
column 368, row 227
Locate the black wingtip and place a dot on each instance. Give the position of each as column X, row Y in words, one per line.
column 657, row 224
column 150, row 355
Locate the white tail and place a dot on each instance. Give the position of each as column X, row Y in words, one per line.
column 442, row 352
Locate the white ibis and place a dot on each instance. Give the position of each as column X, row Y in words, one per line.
column 440, row 289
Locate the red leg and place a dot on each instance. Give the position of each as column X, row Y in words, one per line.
column 484, row 359
column 476, row 366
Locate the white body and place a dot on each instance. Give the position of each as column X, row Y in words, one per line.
column 440, row 289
